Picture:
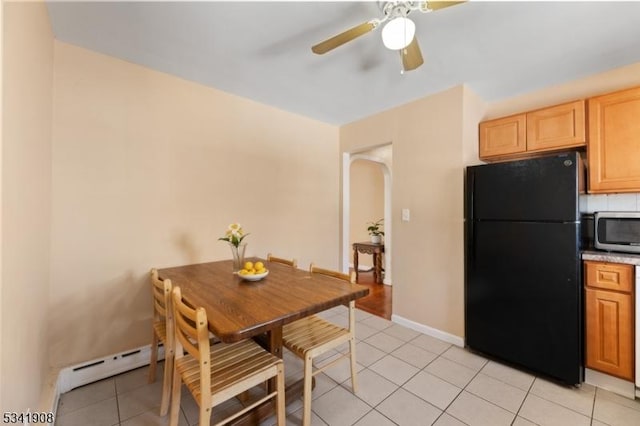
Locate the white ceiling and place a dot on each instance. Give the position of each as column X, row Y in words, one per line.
column 261, row 50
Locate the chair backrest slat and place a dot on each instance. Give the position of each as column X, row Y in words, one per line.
column 159, row 305
column 192, row 331
column 335, row 274
column 293, row 262
column 350, row 278
column 163, row 309
column 186, row 328
column 161, row 291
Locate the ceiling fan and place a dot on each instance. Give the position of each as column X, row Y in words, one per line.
column 397, row 34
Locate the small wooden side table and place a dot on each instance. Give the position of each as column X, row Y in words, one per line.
column 369, row 248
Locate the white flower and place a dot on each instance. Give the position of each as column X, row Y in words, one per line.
column 234, row 234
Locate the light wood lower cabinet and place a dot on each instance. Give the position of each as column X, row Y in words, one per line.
column 609, row 319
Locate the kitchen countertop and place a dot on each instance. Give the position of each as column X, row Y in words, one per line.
column 614, row 257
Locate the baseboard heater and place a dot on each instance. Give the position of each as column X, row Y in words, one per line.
column 102, row 368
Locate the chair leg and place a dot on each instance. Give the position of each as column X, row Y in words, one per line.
column 308, row 379
column 154, row 357
column 280, row 409
column 175, row 397
column 205, row 415
column 354, row 372
column 166, row 383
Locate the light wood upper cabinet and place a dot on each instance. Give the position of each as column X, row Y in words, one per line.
column 614, row 142
column 609, row 318
column 548, row 129
column 503, row 136
column 560, row 126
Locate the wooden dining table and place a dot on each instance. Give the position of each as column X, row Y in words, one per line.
column 238, row 309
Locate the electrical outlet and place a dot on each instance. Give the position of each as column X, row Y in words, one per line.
column 406, row 215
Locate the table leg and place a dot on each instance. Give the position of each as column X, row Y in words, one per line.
column 377, row 260
column 355, row 262
column 274, row 339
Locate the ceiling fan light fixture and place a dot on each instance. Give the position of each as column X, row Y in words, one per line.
column 398, row 33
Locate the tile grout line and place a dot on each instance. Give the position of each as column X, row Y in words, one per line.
column 398, row 387
column 115, row 388
column 490, row 402
column 558, row 404
column 593, row 407
column 524, row 399
column 461, row 390
column 414, row 375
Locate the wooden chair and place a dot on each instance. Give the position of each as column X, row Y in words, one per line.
column 293, row 263
column 312, row 336
column 162, row 332
column 218, row 373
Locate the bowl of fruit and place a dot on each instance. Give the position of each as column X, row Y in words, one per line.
column 253, row 271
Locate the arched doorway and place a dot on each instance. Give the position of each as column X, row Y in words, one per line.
column 380, row 157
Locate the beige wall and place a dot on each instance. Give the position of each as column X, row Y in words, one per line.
column 610, row 81
column 366, row 201
column 1, row 191
column 427, row 137
column 26, row 204
column 473, row 111
column 148, row 170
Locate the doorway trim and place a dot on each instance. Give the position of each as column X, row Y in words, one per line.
column 347, row 159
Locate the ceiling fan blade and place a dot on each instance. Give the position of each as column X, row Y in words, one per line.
column 344, row 37
column 435, row 5
column 411, row 56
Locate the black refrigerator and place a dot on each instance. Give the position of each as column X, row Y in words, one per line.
column 523, row 292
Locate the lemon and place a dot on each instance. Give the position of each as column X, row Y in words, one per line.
column 259, row 265
column 251, row 272
column 261, row 271
column 243, row 272
column 248, row 265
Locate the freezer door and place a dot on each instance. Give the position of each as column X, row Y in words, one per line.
column 540, row 189
column 523, row 298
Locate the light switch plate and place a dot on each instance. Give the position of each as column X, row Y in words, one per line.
column 406, row 215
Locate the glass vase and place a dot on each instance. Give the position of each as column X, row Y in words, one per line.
column 237, row 256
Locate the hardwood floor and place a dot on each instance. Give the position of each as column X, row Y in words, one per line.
column 378, row 302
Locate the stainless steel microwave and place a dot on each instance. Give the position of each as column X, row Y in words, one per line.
column 617, row 231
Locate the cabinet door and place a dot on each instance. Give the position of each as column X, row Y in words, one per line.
column 609, row 329
column 557, row 127
column 614, row 142
column 503, row 136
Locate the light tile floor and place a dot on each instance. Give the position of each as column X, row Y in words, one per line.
column 405, row 378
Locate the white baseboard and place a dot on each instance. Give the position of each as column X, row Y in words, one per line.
column 610, row 383
column 430, row 331
column 51, row 394
column 98, row 369
column 63, row 380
